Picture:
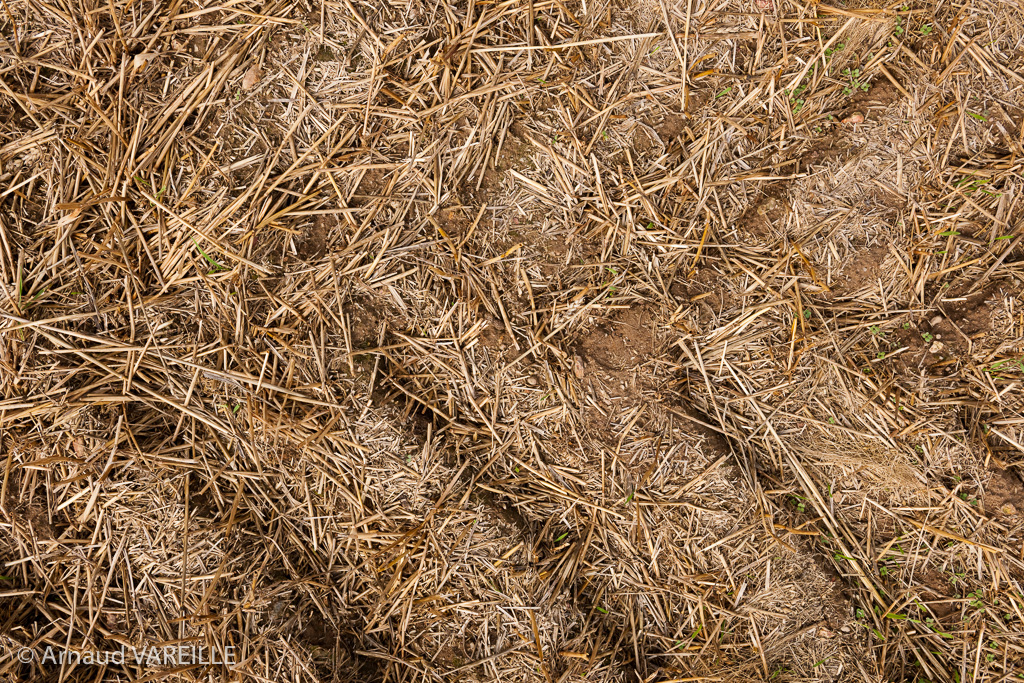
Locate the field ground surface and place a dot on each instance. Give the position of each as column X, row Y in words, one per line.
column 513, row 340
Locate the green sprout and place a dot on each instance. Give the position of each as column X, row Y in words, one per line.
column 832, row 50
column 159, row 193
column 974, row 184
column 1017, row 363
column 216, row 266
column 854, row 82
column 798, row 102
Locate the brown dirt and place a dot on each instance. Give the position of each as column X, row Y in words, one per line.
column 34, row 516
column 911, row 337
column 494, row 336
column 879, row 98
column 765, row 219
column 317, row 632
column 622, row 342
column 705, row 286
column 826, row 149
column 671, row 127
column 972, row 313
column 548, row 250
column 1003, row 494
column 862, row 271
column 936, row 587
column 374, row 182
column 366, row 316
column 455, row 221
column 314, row 241
column 642, row 141
column 607, row 363
column 515, row 151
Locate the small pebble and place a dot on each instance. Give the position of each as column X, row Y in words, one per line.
column 935, row 321
column 532, row 380
column 142, row 59
column 854, row 118
column 1008, row 509
column 936, row 347
column 251, row 77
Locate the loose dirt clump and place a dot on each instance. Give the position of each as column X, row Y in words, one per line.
column 608, row 361
column 882, row 96
column 670, row 128
column 366, row 317
column 862, row 271
column 493, row 335
column 623, row 341
column 314, row 241
column 1004, row 494
column 766, row 219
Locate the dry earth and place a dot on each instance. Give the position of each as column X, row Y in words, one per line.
column 513, row 340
